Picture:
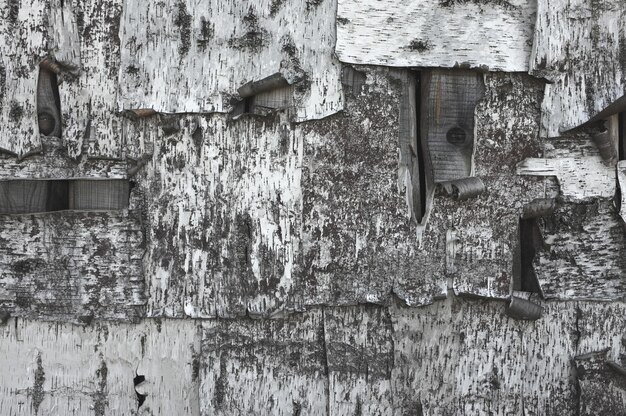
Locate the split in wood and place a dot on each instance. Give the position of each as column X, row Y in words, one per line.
column 447, row 102
column 462, row 189
column 139, row 381
column 48, row 103
column 39, row 196
column 523, row 309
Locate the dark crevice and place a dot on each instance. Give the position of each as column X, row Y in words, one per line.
column 421, row 210
column 622, row 135
column 48, row 103
column 140, row 397
column 531, row 242
column 24, row 196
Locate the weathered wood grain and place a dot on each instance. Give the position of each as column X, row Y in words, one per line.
column 23, row 44
column 494, row 35
column 579, row 47
column 211, row 48
column 64, row 369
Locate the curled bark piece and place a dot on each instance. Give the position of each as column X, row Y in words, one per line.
column 50, row 65
column 141, row 112
column 540, row 207
column 523, row 309
column 602, row 139
column 465, row 188
column 251, row 88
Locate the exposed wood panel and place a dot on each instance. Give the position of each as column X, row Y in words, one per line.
column 85, row 41
column 264, row 367
column 494, row 35
column 467, row 357
column 72, row 266
column 584, row 251
column 64, row 369
column 448, row 99
column 23, row 44
column 213, row 47
column 579, row 47
column 359, row 350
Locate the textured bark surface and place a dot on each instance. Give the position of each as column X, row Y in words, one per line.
column 492, row 35
column 579, row 47
column 211, row 48
column 311, row 266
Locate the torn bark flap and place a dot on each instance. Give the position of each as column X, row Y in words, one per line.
column 251, row 88
column 540, row 207
column 523, row 309
column 465, row 188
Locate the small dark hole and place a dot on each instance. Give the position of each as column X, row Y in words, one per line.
column 456, row 136
column 140, row 397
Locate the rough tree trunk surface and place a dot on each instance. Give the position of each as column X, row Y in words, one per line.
column 351, row 233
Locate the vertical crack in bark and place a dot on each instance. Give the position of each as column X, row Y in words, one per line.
column 40, row 377
column 325, row 360
column 577, row 337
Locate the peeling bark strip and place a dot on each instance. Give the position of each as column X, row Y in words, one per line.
column 579, row 47
column 437, row 33
column 253, row 39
